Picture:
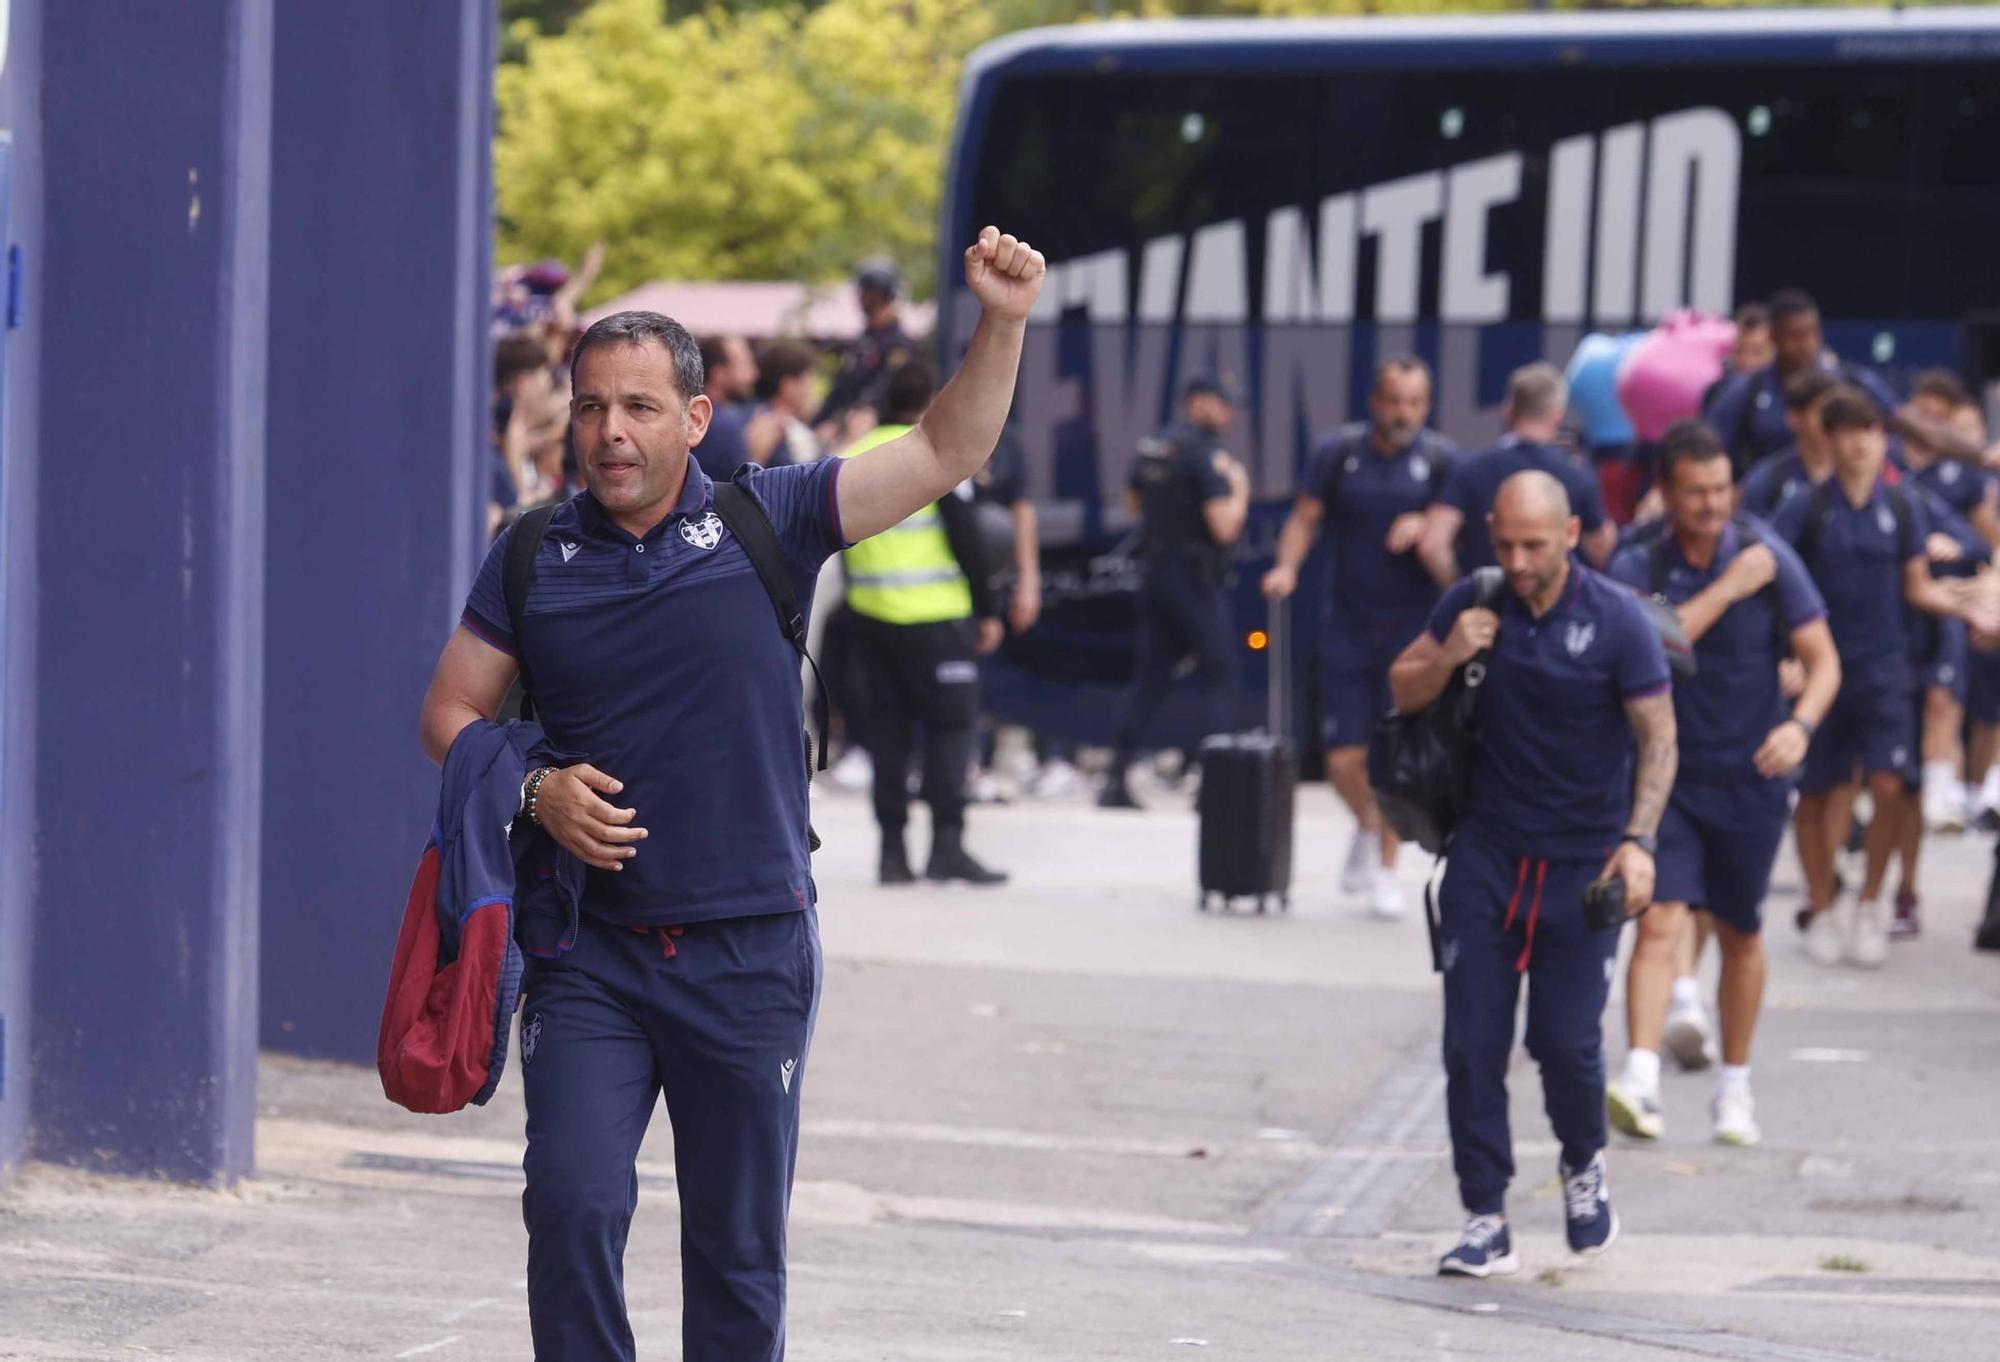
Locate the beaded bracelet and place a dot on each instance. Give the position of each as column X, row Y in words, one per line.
column 534, row 792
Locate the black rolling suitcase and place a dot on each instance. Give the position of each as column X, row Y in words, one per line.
column 1247, row 782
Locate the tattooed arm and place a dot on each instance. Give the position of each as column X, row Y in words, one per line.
column 1653, row 733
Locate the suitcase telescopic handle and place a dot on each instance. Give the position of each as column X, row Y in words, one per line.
column 1278, row 664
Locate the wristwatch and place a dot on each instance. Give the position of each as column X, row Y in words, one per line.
column 1808, row 725
column 1645, row 841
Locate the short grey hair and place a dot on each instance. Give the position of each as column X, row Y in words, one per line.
column 1536, row 391
column 644, row 328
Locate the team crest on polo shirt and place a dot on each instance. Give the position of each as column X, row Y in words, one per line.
column 1578, row 636
column 1885, row 520
column 705, row 533
column 1420, row 468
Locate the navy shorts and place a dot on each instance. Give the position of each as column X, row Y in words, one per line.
column 1718, row 842
column 1354, row 684
column 1872, row 725
column 1982, row 692
column 1948, row 667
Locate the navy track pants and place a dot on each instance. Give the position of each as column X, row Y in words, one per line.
column 1505, row 918
column 718, row 1016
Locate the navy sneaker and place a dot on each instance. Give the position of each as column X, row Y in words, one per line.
column 1588, row 1218
column 1484, row 1250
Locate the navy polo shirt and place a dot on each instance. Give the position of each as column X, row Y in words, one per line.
column 1764, row 430
column 1552, row 772
column 1377, row 596
column 1475, row 481
column 1732, row 702
column 1961, row 486
column 1772, row 482
column 1858, row 566
column 659, row 661
column 725, row 448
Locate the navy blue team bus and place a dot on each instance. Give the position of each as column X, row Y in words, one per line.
column 1283, row 201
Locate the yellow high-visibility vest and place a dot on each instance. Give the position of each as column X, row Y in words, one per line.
column 906, row 574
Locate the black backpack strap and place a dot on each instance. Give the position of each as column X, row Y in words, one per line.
column 1781, row 629
column 1818, row 504
column 745, row 517
column 1906, row 524
column 1346, row 444
column 517, row 579
column 1656, row 567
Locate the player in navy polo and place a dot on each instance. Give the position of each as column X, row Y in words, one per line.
column 655, row 659
column 1368, row 485
column 1576, row 679
column 1455, row 539
column 1746, row 604
column 1748, row 410
column 1803, row 464
column 1864, row 542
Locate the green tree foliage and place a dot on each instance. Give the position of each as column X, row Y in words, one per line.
column 768, row 139
column 763, row 143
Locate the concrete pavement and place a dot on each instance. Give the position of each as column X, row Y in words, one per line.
column 1074, row 1118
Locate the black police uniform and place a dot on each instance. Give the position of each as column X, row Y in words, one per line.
column 863, row 369
column 1181, row 610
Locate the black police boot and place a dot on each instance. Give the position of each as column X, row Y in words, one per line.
column 895, row 863
column 1116, row 794
column 951, row 861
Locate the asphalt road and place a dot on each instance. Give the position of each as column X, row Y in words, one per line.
column 1074, row 1118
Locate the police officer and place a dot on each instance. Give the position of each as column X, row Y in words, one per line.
column 1575, row 679
column 1455, row 539
column 915, row 593
column 1368, row 485
column 1192, row 499
column 695, row 970
column 865, row 365
column 1746, row 603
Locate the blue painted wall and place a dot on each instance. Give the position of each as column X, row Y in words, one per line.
column 240, row 437
column 150, row 567
column 20, row 116
column 379, row 268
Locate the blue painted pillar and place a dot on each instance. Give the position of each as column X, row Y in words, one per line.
column 156, row 126
column 381, row 237
column 20, row 117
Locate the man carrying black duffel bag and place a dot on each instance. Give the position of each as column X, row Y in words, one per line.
column 1557, row 828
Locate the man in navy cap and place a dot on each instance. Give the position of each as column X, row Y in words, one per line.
column 1192, row 499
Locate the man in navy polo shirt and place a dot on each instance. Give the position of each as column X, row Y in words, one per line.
column 654, row 657
column 1800, row 466
column 1574, row 678
column 1369, row 485
column 1748, row 410
column 1746, row 603
column 1455, row 540
column 1864, row 541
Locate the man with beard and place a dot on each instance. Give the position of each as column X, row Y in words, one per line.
column 1369, row 485
column 1575, row 681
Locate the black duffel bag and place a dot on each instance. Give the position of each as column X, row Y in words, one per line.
column 1416, row 762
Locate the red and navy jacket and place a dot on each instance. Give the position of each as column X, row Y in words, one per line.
column 483, row 893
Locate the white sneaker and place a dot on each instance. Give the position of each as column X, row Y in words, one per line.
column 1944, row 805
column 1056, row 780
column 1736, row 1117
column 1364, row 858
column 1690, row 1039
column 1868, row 935
column 1385, row 895
column 1634, row 1110
column 854, row 771
column 1827, row 931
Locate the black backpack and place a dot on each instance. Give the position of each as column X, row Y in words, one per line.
column 1416, row 762
column 745, row 517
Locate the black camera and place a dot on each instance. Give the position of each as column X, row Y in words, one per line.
column 1604, row 903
